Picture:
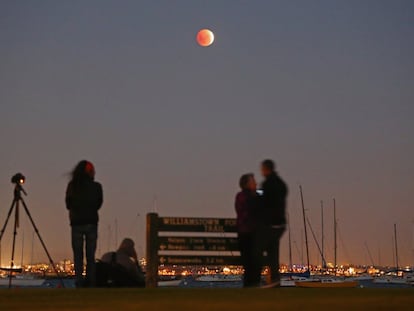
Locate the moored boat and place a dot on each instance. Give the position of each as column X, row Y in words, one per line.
column 291, row 281
column 219, row 278
column 22, row 281
column 327, row 283
column 171, row 283
column 391, row 280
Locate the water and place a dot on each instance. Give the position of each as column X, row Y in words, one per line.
column 190, row 282
column 55, row 283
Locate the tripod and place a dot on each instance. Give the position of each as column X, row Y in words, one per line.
column 18, row 190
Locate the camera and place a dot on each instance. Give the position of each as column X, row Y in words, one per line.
column 18, row 179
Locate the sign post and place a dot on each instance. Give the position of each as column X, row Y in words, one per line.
column 152, row 251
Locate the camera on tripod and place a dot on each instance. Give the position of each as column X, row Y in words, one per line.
column 18, row 179
column 18, row 203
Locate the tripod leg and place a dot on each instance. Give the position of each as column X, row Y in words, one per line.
column 5, row 224
column 42, row 242
column 16, row 215
column 7, row 218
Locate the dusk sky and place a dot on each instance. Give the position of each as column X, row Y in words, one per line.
column 326, row 88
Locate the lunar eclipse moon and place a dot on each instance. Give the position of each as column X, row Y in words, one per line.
column 205, row 37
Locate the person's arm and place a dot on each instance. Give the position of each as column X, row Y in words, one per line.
column 134, row 255
column 241, row 206
column 246, row 209
column 282, row 194
column 99, row 198
column 68, row 198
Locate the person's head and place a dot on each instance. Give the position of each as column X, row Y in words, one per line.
column 248, row 182
column 128, row 247
column 268, row 167
column 84, row 170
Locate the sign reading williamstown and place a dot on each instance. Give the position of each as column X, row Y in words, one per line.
column 189, row 242
column 196, row 224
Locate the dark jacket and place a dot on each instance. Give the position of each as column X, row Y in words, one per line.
column 274, row 200
column 83, row 203
column 134, row 274
column 247, row 205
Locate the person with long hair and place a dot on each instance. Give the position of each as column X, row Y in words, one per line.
column 248, row 210
column 84, row 197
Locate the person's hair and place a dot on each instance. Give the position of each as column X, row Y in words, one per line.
column 127, row 246
column 269, row 164
column 244, row 180
column 80, row 173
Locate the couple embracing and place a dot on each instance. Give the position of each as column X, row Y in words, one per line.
column 261, row 222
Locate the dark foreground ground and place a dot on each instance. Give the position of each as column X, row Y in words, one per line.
column 207, row 299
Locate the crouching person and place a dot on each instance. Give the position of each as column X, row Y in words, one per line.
column 120, row 268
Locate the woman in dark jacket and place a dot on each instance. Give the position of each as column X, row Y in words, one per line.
column 247, row 205
column 83, row 200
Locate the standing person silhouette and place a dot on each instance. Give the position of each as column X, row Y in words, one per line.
column 274, row 196
column 247, row 209
column 84, row 197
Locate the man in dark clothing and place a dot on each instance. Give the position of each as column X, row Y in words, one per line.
column 84, row 197
column 274, row 207
column 247, row 208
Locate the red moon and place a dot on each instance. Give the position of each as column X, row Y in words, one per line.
column 205, row 37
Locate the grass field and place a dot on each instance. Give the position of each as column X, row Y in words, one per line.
column 207, row 299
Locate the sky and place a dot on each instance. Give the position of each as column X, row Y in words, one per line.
column 325, row 88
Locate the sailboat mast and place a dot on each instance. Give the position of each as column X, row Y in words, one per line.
column 109, row 238
column 315, row 239
column 323, row 239
column 396, row 245
column 335, row 238
column 21, row 259
column 116, row 233
column 379, row 256
column 302, row 253
column 393, row 250
column 32, row 250
column 304, row 226
column 413, row 245
column 369, row 253
column 290, row 244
